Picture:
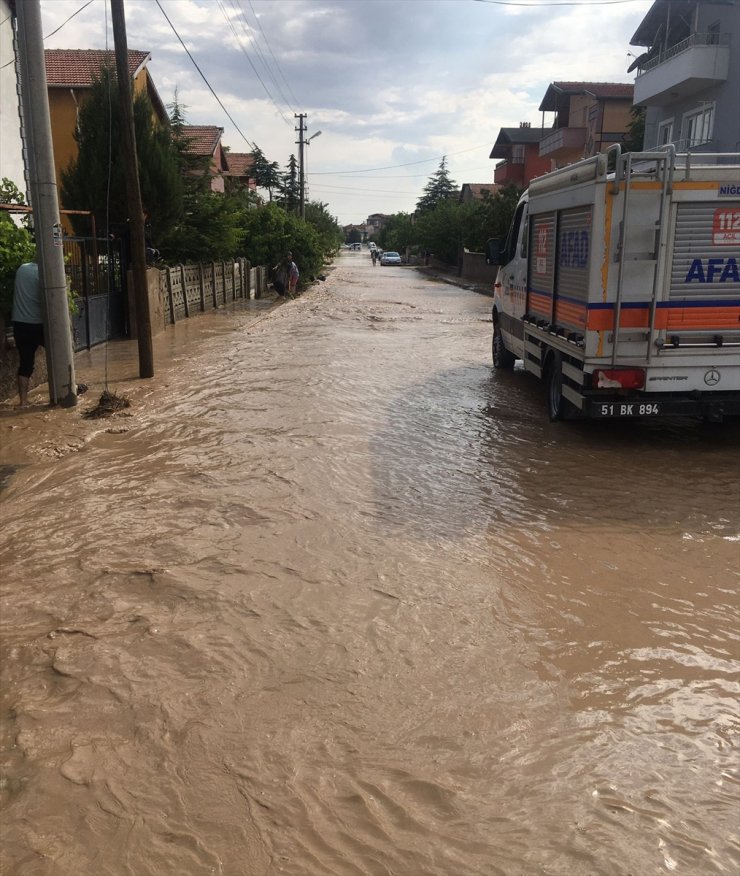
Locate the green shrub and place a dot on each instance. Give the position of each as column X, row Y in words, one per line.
column 270, row 232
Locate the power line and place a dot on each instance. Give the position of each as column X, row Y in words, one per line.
column 251, row 63
column 277, row 65
column 324, row 187
column 203, row 77
column 251, row 33
column 12, row 61
column 537, row 5
column 394, row 166
column 68, row 20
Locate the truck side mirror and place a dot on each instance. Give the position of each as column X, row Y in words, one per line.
column 494, row 246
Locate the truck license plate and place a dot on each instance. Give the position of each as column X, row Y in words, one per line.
column 626, row 409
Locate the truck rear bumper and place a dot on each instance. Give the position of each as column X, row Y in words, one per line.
column 711, row 406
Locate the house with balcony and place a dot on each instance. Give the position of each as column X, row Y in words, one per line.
column 588, row 118
column 688, row 77
column 519, row 149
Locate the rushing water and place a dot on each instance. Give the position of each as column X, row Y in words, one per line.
column 338, row 599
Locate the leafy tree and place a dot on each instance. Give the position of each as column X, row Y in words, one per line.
column 453, row 225
column 16, row 246
column 438, row 188
column 489, row 217
column 441, row 230
column 210, row 230
column 266, row 173
column 95, row 180
column 635, row 136
column 211, row 225
column 270, row 232
column 398, row 232
column 329, row 233
column 290, row 189
column 194, row 168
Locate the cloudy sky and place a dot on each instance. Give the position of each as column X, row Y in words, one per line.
column 393, row 85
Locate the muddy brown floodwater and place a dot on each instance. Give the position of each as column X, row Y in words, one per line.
column 338, row 599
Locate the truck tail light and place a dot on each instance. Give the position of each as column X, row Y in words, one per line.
column 618, row 378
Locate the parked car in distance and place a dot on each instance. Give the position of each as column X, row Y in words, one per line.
column 390, row 258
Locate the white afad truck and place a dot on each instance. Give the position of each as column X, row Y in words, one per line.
column 619, row 285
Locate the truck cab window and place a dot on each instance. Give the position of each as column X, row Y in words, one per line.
column 513, row 236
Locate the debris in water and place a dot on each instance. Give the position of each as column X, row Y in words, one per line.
column 109, row 404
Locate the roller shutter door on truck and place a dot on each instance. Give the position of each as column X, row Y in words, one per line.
column 704, row 291
column 573, row 261
column 541, row 273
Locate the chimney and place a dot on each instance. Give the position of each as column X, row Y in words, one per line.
column 525, row 124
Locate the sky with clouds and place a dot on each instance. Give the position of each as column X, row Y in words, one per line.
column 393, row 85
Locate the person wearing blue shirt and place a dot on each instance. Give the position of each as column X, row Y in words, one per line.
column 27, row 317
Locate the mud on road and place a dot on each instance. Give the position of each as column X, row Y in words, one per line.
column 336, row 598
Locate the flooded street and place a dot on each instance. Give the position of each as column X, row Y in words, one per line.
column 338, row 599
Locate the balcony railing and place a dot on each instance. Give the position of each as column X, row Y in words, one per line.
column 695, row 39
column 509, row 171
column 686, row 145
column 563, row 140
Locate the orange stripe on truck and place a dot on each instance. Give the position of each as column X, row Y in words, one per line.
column 710, row 318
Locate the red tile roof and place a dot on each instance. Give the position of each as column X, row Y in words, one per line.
column 76, row 68
column 202, row 139
column 240, row 163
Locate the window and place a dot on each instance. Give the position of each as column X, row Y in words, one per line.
column 665, row 132
column 713, row 34
column 517, row 153
column 513, row 236
column 697, row 126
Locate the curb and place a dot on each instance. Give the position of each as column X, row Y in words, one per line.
column 454, row 280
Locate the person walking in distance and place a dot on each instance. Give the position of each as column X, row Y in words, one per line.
column 375, row 256
column 27, row 317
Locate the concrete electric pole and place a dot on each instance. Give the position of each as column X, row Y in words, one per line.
column 133, row 193
column 301, row 175
column 45, row 204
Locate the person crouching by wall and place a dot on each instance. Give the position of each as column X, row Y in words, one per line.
column 293, row 274
column 28, row 324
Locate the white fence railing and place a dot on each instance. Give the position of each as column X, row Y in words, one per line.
column 696, row 39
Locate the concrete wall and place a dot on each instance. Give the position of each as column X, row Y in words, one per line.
column 475, row 269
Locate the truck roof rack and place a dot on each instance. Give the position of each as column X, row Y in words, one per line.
column 687, row 165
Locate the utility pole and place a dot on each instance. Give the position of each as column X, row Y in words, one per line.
column 45, row 203
column 301, row 175
column 133, row 194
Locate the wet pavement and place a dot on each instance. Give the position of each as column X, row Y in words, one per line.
column 335, row 598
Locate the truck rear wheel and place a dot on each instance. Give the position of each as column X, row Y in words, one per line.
column 502, row 358
column 556, row 404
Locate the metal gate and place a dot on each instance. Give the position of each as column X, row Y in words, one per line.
column 96, row 271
